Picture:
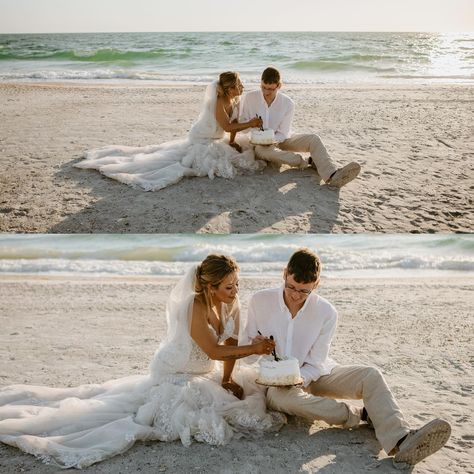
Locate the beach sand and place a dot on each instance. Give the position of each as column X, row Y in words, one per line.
column 415, row 144
column 61, row 331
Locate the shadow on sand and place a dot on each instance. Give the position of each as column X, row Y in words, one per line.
column 271, row 201
column 292, row 450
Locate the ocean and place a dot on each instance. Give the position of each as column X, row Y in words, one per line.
column 183, row 58
column 259, row 255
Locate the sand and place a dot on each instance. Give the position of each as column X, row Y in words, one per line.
column 63, row 332
column 415, row 144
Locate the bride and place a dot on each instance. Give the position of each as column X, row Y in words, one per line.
column 203, row 153
column 184, row 396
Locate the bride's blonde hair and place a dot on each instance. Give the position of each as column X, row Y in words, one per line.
column 211, row 272
column 227, row 80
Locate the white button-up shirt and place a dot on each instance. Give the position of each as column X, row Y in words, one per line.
column 278, row 116
column 307, row 336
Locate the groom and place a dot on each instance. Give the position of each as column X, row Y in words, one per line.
column 277, row 109
column 303, row 326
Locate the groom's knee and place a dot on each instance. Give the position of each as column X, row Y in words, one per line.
column 373, row 376
column 279, row 157
column 263, row 152
column 315, row 140
column 286, row 399
column 276, row 397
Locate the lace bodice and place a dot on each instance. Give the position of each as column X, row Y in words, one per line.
column 208, row 128
column 199, row 362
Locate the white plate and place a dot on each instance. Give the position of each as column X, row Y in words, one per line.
column 278, row 385
column 266, row 144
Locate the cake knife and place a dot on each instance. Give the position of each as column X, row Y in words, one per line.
column 274, row 354
column 261, row 126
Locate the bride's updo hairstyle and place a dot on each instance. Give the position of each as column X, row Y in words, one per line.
column 211, row 272
column 227, row 80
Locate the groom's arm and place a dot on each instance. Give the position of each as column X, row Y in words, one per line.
column 247, row 110
column 249, row 328
column 244, row 109
column 284, row 128
column 313, row 366
column 249, row 331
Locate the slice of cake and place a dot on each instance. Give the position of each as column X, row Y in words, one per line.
column 285, row 371
column 262, row 137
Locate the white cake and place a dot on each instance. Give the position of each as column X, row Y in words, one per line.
column 262, row 137
column 283, row 372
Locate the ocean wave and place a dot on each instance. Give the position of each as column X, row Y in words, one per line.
column 338, row 252
column 104, row 74
column 462, row 77
column 304, row 57
column 337, row 66
column 269, row 268
column 253, row 259
column 99, row 55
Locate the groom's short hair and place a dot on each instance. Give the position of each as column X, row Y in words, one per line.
column 305, row 266
column 271, row 76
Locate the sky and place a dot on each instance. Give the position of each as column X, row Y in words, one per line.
column 63, row 16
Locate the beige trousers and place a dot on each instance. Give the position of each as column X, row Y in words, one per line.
column 347, row 382
column 284, row 153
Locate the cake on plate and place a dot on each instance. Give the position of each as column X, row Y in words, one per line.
column 285, row 371
column 262, row 137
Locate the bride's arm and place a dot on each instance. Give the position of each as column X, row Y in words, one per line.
column 232, row 141
column 204, row 337
column 225, row 122
column 234, row 318
column 228, row 367
column 228, row 364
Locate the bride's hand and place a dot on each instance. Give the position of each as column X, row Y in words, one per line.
column 264, row 346
column 235, row 388
column 256, row 122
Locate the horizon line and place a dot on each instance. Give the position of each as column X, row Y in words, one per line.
column 237, row 31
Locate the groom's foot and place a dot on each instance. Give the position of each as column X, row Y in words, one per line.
column 344, row 175
column 418, row 444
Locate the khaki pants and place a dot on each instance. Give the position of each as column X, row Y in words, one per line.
column 346, row 382
column 284, row 153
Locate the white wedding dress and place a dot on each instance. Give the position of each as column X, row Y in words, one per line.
column 203, row 153
column 181, row 398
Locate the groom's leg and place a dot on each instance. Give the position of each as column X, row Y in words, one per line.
column 296, row 401
column 279, row 157
column 367, row 384
column 311, row 143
